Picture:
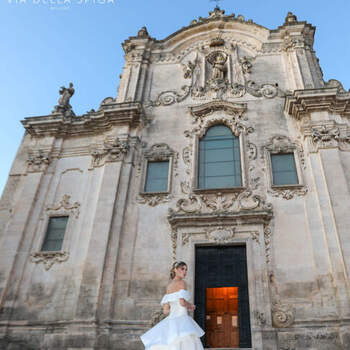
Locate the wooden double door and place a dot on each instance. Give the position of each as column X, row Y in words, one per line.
column 221, row 296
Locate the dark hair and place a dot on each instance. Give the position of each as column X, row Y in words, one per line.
column 176, row 265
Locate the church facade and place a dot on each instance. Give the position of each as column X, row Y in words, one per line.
column 224, row 148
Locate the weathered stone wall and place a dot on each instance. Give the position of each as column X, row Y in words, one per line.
column 101, row 291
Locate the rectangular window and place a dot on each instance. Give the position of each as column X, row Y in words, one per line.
column 219, row 163
column 55, row 234
column 157, row 176
column 284, row 171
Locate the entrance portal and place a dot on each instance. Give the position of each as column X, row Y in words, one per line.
column 221, row 296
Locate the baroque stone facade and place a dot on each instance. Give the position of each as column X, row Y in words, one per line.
column 102, row 289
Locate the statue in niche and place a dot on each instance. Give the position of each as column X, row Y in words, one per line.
column 218, row 81
column 64, row 106
column 218, row 62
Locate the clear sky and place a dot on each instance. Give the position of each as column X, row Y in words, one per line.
column 48, row 43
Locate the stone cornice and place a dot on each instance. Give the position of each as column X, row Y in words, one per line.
column 304, row 102
column 204, row 219
column 108, row 115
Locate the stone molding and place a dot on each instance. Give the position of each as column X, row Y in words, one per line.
column 301, row 103
column 38, row 160
column 48, row 259
column 109, row 114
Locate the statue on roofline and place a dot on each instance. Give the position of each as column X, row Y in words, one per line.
column 64, row 106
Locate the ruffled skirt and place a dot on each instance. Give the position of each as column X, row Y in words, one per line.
column 188, row 342
column 174, row 333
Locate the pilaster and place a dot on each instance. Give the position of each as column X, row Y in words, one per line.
column 322, row 117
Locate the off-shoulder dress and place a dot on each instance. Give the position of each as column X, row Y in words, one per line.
column 178, row 331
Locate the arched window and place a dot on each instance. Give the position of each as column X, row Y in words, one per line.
column 219, row 159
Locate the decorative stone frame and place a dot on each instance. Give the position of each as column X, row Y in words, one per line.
column 63, row 208
column 159, row 152
column 252, row 235
column 231, row 115
column 280, row 144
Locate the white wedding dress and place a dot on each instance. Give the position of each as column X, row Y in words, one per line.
column 178, row 331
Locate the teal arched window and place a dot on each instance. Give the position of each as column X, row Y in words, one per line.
column 219, row 159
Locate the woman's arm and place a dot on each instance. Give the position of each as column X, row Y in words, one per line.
column 166, row 309
column 187, row 305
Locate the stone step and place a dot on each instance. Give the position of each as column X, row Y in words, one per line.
column 228, row 349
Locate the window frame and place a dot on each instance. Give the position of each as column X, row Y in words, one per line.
column 158, row 152
column 291, row 149
column 243, row 158
column 144, row 177
column 43, row 237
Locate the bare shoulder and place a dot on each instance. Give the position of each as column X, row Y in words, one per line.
column 175, row 286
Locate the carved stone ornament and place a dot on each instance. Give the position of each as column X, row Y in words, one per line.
column 113, row 150
column 324, row 136
column 327, row 135
column 37, row 161
column 267, row 241
column 220, row 234
column 282, row 315
column 220, row 203
column 65, row 206
column 49, row 258
column 288, row 193
column 152, row 199
column 260, row 317
column 204, row 120
column 159, row 152
column 216, row 71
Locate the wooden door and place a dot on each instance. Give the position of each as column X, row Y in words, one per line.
column 217, row 267
column 221, row 324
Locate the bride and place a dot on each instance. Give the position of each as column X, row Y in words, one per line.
column 178, row 331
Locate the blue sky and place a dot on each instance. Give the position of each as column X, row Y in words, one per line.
column 48, row 43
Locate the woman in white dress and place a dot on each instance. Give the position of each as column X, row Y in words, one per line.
column 178, row 331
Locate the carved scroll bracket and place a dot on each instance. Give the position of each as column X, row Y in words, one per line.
column 48, row 259
column 283, row 315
